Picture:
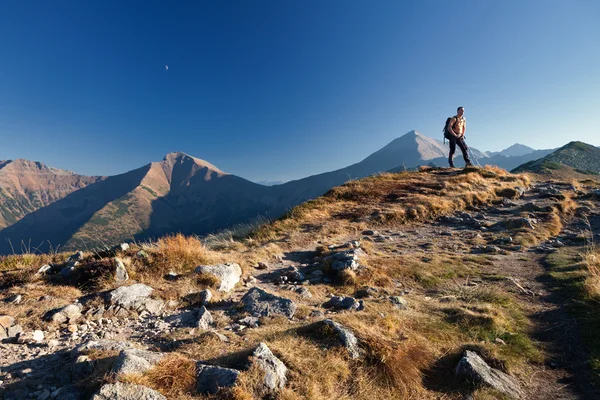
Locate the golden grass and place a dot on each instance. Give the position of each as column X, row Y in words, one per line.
column 592, row 282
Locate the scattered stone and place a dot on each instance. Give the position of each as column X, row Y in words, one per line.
column 68, row 269
column 205, row 296
column 172, row 276
column 292, row 274
column 475, row 368
column 399, row 302
column 14, row 331
column 211, row 378
column 275, row 371
column 250, row 322
column 70, row 313
column 345, row 336
column 346, row 260
column 367, row 292
column 510, row 193
column 121, row 274
column 6, row 321
column 14, row 299
column 369, row 232
column 126, row 391
column 262, row 265
column 135, row 361
column 304, row 293
column 44, row 269
column 492, row 249
column 259, row 303
column 102, row 345
column 228, row 274
column 75, row 257
column 344, row 303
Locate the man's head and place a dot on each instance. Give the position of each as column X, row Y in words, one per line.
column 460, row 111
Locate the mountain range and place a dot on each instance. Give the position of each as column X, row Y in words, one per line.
column 43, row 207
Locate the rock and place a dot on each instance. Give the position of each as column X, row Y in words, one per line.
column 292, row 274
column 211, row 378
column 14, row 331
column 75, row 257
column 473, row 367
column 68, row 269
column 14, row 299
column 346, row 260
column 44, row 395
column 135, row 361
column 262, row 265
column 275, row 371
column 121, row 274
column 44, row 269
column 344, row 303
column 102, row 345
column 34, row 337
column 197, row 318
column 66, row 393
column 70, row 313
column 345, row 336
column 367, row 292
column 205, row 296
column 369, row 232
column 126, row 391
column 228, row 274
column 38, row 336
column 492, row 249
column 250, row 322
column 135, row 297
column 304, row 293
column 120, row 247
column 263, row 304
column 399, row 302
column 510, row 193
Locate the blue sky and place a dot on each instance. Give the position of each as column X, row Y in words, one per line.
column 278, row 90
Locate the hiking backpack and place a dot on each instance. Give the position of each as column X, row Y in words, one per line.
column 445, row 130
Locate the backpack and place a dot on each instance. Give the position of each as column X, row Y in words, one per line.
column 445, row 130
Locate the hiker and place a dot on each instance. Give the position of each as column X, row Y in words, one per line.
column 456, row 135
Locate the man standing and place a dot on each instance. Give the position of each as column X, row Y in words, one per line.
column 456, row 135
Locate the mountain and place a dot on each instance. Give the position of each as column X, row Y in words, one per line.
column 578, row 156
column 178, row 194
column 26, row 186
column 515, row 150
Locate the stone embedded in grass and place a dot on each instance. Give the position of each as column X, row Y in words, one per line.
column 473, row 367
column 510, row 193
column 344, row 303
column 399, row 302
column 250, row 322
column 14, row 299
column 6, row 321
column 101, row 345
column 126, row 391
column 210, row 378
column 205, row 296
column 121, row 274
column 263, row 304
column 346, row 260
column 44, row 269
column 345, row 336
column 68, row 269
column 197, row 318
column 228, row 274
column 275, row 371
column 135, row 361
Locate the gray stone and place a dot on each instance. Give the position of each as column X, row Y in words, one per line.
column 102, row 345
column 304, row 293
column 228, row 274
column 126, row 391
column 68, row 269
column 399, row 302
column 345, row 336
column 250, row 322
column 121, row 274
column 346, row 260
column 135, row 361
column 275, row 371
column 263, row 304
column 14, row 331
column 76, row 257
column 135, row 297
column 44, row 269
column 197, row 318
column 70, row 313
column 14, row 299
column 6, row 321
column 344, row 303
column 205, row 296
column 211, row 378
column 473, row 367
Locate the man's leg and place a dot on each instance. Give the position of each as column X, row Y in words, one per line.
column 465, row 151
column 452, row 141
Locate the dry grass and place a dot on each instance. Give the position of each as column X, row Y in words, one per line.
column 592, row 282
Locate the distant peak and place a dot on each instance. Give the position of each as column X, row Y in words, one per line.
column 175, row 155
column 179, row 157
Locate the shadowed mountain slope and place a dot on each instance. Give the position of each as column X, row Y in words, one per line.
column 579, row 156
column 26, row 186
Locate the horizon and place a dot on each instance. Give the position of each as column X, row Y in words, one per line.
column 278, row 92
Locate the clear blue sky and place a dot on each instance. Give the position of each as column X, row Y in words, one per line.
column 276, row 90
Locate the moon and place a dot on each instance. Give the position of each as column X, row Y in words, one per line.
column 166, row 67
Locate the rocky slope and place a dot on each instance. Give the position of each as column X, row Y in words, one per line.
column 578, row 156
column 393, row 287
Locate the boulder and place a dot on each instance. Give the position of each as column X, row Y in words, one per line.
column 210, row 379
column 121, row 274
column 228, row 274
column 205, row 296
column 275, row 371
column 70, row 313
column 250, row 322
column 510, row 193
column 126, row 391
column 473, row 367
column 197, row 318
column 345, row 336
column 344, row 303
column 346, row 260
column 259, row 303
column 135, row 361
column 135, row 297
column 102, row 345
column 6, row 321
column 399, row 302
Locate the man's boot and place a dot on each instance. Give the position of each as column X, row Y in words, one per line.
column 451, row 163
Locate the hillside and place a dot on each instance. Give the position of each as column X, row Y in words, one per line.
column 381, row 289
column 577, row 156
column 26, row 186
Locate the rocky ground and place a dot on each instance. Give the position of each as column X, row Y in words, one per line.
column 129, row 329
